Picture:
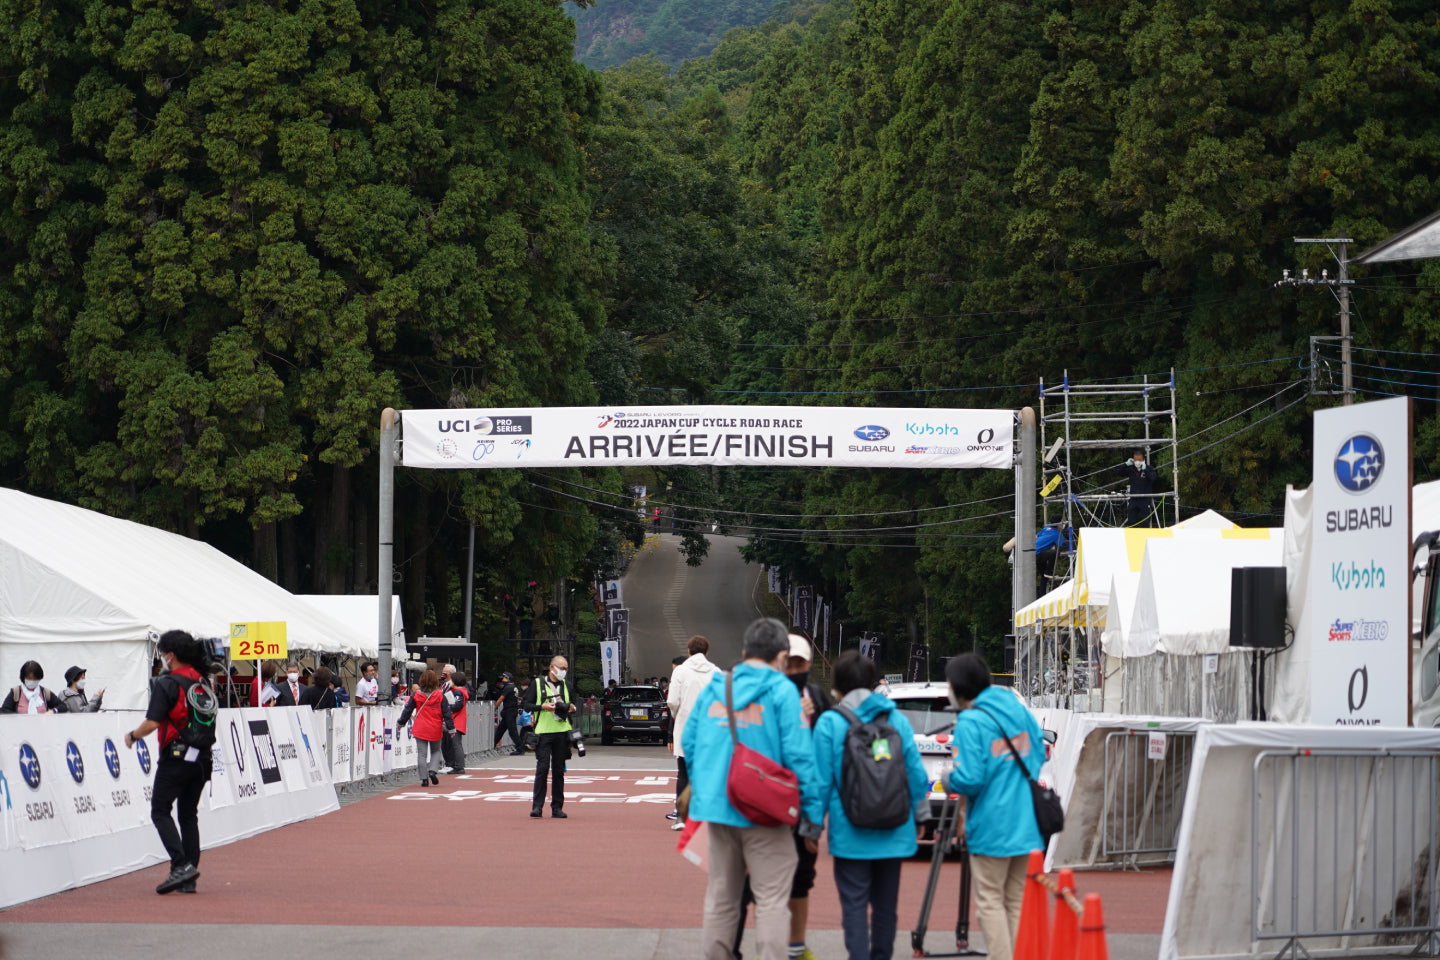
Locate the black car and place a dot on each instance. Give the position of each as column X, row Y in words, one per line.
column 635, row 713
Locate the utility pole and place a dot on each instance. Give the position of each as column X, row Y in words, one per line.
column 1344, row 283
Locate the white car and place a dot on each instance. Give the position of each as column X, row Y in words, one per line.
column 927, row 707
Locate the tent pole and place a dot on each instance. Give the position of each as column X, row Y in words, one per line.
column 1023, row 571
column 389, row 428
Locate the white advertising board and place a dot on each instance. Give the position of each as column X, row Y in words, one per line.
column 714, row 435
column 1359, row 568
column 75, row 802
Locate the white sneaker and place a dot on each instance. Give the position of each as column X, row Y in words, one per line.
column 678, row 825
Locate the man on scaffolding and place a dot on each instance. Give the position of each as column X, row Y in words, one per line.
column 1141, row 477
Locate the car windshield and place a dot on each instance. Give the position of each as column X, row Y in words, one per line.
column 636, row 695
column 927, row 715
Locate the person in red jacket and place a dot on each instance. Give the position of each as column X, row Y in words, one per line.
column 433, row 722
column 456, row 696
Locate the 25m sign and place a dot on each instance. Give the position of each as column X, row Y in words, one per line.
column 258, row 640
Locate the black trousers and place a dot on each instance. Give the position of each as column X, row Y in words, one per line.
column 452, row 748
column 550, row 756
column 510, row 723
column 682, row 778
column 177, row 781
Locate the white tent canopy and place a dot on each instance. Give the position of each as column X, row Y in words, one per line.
column 1123, row 589
column 361, row 612
column 1183, row 603
column 1053, row 606
column 81, row 588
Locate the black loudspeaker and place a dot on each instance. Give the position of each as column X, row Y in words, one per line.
column 1257, row 607
column 1009, row 655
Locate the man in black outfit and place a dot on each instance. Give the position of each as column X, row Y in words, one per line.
column 507, row 700
column 182, row 770
column 1141, row 477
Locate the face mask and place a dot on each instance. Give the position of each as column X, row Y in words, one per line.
column 954, row 704
column 166, row 665
column 559, row 674
column 801, row 679
column 31, row 684
column 293, row 676
column 79, row 684
column 1140, row 464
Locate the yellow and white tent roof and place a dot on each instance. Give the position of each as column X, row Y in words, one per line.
column 1053, row 606
column 1104, row 552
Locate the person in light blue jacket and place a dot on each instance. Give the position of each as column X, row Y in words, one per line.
column 1000, row 827
column 768, row 720
column 867, row 861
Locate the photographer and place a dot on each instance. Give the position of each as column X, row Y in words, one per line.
column 550, row 701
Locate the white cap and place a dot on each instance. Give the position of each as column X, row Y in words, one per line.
column 799, row 647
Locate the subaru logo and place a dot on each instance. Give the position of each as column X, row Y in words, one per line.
column 872, row 433
column 142, row 750
column 1359, row 463
column 75, row 762
column 112, row 758
column 30, row 766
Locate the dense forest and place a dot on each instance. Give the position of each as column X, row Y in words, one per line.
column 234, row 232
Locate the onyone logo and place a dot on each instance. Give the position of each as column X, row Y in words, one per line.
column 985, row 436
column 871, row 432
column 1359, row 463
column 1359, row 688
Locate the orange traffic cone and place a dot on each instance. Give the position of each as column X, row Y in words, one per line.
column 1092, row 931
column 1065, row 934
column 1033, row 941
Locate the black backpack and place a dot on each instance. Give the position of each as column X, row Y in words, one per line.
column 202, row 708
column 874, row 784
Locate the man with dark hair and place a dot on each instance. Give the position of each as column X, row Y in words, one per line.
column 1000, row 826
column 1141, row 477
column 290, row 686
column 507, row 700
column 367, row 690
column 767, row 719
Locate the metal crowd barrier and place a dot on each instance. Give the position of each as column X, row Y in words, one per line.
column 1344, row 849
column 1144, row 797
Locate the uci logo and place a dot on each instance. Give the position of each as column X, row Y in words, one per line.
column 75, row 762
column 30, row 766
column 1359, row 463
column 1362, row 678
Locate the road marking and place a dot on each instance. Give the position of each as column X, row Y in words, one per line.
column 501, row 788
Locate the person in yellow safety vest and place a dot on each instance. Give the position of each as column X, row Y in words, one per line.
column 550, row 701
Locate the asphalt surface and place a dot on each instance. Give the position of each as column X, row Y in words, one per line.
column 464, row 870
column 670, row 602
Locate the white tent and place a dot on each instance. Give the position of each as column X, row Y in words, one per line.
column 81, row 588
column 1053, row 606
column 1183, row 603
column 360, row 612
column 1209, row 520
column 1124, row 587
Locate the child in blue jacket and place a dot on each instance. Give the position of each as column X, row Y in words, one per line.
column 867, row 861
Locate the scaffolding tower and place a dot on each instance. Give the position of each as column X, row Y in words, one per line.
column 1086, row 432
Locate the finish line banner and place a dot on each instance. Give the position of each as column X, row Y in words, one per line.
column 719, row 435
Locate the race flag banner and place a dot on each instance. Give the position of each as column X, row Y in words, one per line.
column 711, row 435
column 1359, row 596
column 609, row 662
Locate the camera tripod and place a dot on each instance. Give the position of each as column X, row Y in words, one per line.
column 948, row 837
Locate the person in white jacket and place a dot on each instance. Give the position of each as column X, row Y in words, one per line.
column 686, row 682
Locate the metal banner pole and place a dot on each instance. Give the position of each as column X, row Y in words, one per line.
column 389, row 429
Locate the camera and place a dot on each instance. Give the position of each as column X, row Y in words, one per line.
column 578, row 739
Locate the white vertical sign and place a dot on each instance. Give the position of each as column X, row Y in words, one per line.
column 609, row 661
column 1360, row 564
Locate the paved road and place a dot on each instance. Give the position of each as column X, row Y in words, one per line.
column 461, row 869
column 670, row 602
